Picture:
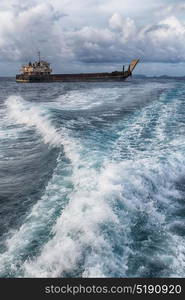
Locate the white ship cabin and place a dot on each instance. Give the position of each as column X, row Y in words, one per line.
column 40, row 67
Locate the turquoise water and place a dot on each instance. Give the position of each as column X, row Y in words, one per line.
column 92, row 179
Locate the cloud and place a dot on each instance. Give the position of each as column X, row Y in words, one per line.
column 124, row 40
column 176, row 8
column 23, row 31
column 92, row 31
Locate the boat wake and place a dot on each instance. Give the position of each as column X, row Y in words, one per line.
column 114, row 201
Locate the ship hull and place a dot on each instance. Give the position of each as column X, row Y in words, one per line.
column 86, row 77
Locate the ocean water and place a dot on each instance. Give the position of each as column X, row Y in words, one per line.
column 92, row 179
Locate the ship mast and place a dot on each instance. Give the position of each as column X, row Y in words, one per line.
column 39, row 55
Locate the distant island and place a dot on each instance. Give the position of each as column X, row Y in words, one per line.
column 160, row 77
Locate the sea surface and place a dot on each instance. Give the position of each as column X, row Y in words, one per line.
column 92, row 179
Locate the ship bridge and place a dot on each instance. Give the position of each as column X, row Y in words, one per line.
column 37, row 68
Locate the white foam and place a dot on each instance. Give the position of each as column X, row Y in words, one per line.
column 41, row 214
column 79, row 215
column 77, row 233
column 118, row 96
column 77, row 228
column 43, row 210
column 24, row 113
column 90, row 206
column 35, row 116
column 87, row 99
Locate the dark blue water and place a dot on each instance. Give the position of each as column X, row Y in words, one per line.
column 92, row 179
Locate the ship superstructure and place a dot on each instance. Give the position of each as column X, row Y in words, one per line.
column 37, row 68
column 40, row 68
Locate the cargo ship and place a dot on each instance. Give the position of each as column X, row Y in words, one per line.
column 40, row 71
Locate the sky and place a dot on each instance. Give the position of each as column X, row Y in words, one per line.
column 93, row 35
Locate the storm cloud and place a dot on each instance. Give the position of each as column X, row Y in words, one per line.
column 90, row 32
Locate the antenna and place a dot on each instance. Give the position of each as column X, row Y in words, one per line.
column 39, row 55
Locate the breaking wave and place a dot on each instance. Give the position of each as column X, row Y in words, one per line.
column 113, row 205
